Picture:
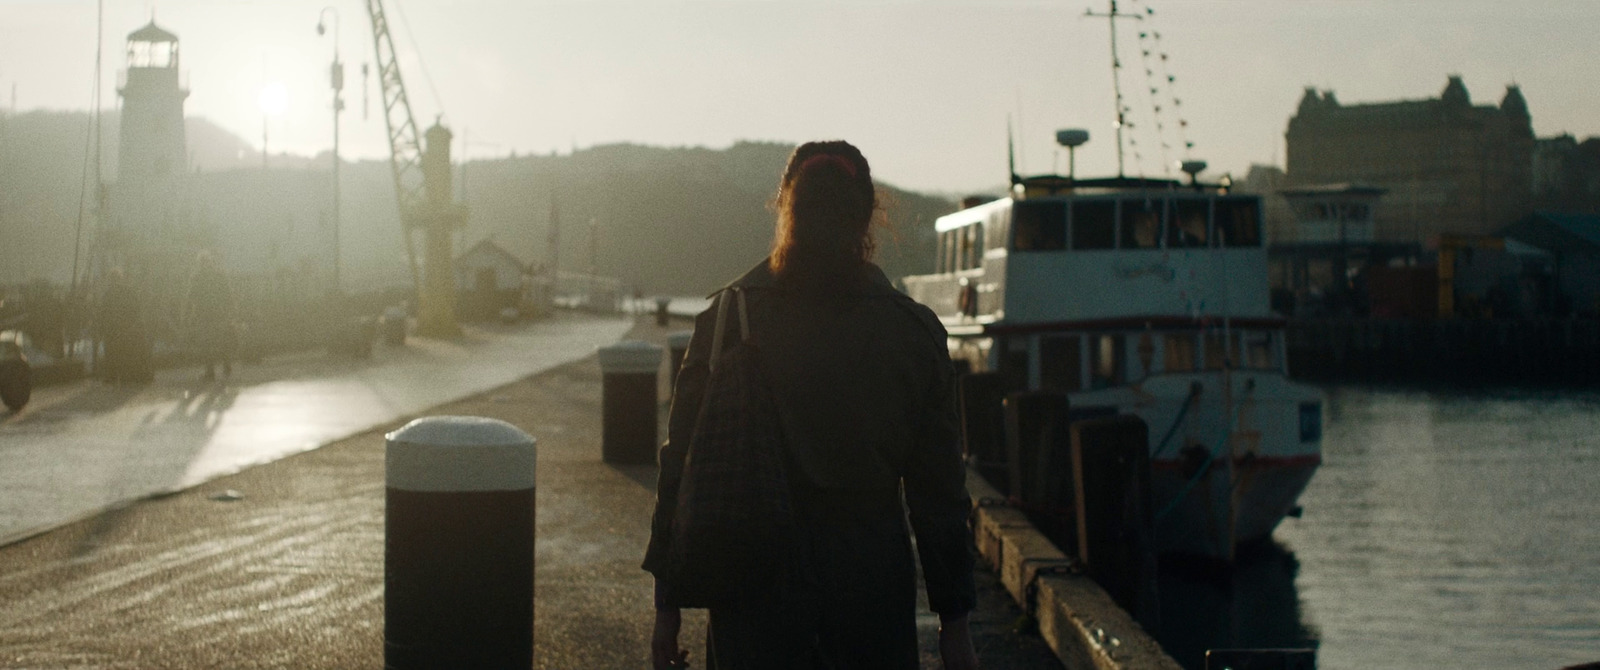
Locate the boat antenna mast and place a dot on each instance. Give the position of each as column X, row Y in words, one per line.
column 1116, row 71
column 1011, row 154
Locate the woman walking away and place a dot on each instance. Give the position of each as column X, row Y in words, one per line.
column 210, row 316
column 861, row 386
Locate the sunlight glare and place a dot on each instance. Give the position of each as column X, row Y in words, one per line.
column 274, row 99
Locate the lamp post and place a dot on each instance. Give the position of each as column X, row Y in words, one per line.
column 335, row 81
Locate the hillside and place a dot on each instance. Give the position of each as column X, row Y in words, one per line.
column 667, row 220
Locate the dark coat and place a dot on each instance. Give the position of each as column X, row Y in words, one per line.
column 865, row 396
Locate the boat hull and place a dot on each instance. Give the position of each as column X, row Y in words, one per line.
column 1220, row 510
column 1270, row 428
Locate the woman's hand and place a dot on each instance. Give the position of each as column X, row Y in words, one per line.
column 664, row 651
column 955, row 644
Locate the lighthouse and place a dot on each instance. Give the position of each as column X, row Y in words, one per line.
column 147, row 228
column 153, row 150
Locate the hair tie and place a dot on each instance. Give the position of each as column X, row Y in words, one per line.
column 819, row 159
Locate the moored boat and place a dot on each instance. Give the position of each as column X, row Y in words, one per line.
column 1145, row 297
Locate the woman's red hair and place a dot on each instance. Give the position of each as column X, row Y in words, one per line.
column 826, row 204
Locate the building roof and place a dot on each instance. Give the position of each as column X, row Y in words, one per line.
column 1321, row 109
column 1558, row 232
column 489, row 247
column 152, row 33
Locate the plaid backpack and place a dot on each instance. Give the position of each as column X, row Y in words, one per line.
column 734, row 532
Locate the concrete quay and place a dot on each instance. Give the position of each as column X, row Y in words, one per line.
column 281, row 565
column 1076, row 618
column 79, row 448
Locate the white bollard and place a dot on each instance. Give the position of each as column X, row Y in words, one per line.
column 459, row 544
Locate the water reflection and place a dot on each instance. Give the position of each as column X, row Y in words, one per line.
column 1254, row 605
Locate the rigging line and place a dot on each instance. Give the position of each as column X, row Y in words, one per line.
column 91, row 139
column 1172, row 91
column 417, row 47
column 1155, row 101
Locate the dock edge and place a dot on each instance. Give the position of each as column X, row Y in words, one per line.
column 1076, row 618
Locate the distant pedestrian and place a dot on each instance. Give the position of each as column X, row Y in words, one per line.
column 208, row 314
column 863, row 388
column 120, row 321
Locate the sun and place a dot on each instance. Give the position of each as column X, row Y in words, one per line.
column 274, row 99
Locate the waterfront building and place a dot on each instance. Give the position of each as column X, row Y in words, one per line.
column 1566, row 174
column 1572, row 242
column 1445, row 164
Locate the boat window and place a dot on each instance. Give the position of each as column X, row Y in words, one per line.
column 1179, row 352
column 1258, row 350
column 951, row 248
column 942, row 265
column 1107, row 359
column 1188, row 227
column 974, row 256
column 1141, row 224
column 964, row 248
column 1040, row 226
column 1216, row 354
column 1061, row 363
column 996, row 228
column 1238, row 222
column 1094, row 224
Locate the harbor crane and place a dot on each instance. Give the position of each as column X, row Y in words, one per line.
column 423, row 188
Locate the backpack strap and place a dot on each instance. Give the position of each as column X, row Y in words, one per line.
column 738, row 294
column 716, row 334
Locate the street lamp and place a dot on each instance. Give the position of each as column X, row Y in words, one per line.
column 335, row 81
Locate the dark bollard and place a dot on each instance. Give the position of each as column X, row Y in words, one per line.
column 16, row 381
column 1261, row 659
column 983, row 426
column 1030, row 416
column 1116, row 536
column 16, row 376
column 458, row 556
column 661, row 311
column 677, row 347
column 628, row 421
column 1039, row 463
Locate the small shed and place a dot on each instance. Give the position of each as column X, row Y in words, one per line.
column 1573, row 242
column 488, row 279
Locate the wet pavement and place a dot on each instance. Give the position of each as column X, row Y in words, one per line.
column 290, row 574
column 78, row 448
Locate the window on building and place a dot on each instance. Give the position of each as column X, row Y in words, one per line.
column 1094, row 224
column 1040, row 226
column 1141, row 224
column 1188, row 228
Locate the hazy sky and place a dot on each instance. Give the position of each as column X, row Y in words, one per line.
column 923, row 86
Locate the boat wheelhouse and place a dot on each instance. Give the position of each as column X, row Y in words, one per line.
column 1143, row 297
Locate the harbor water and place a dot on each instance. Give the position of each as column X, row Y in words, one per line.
column 1444, row 529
